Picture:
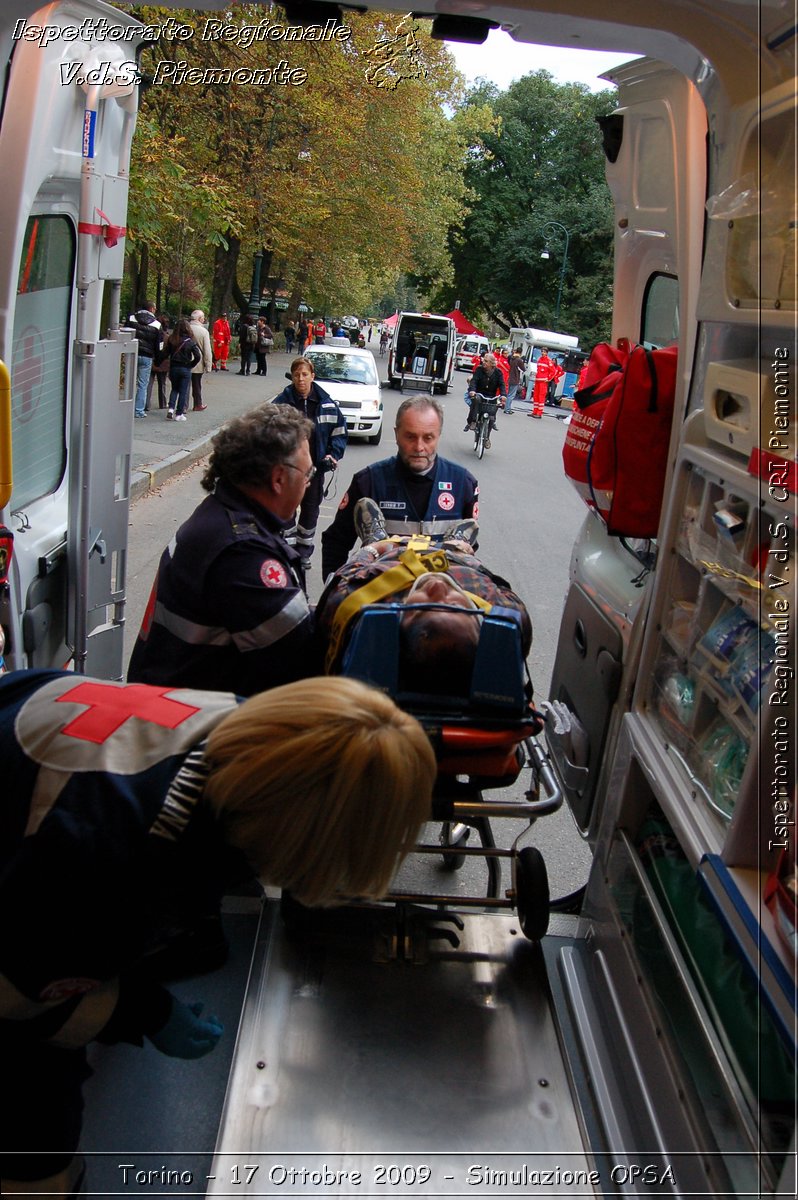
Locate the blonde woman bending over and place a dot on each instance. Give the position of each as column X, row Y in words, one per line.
column 126, row 806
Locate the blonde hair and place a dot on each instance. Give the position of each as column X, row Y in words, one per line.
column 323, row 784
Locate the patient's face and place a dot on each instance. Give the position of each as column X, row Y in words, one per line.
column 439, row 588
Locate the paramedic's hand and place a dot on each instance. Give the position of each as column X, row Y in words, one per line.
column 186, row 1036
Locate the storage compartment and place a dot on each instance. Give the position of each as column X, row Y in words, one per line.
column 721, row 636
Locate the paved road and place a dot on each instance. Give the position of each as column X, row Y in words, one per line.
column 529, row 518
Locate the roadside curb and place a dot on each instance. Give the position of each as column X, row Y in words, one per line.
column 147, row 479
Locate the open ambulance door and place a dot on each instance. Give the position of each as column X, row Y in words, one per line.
column 655, row 145
column 67, row 437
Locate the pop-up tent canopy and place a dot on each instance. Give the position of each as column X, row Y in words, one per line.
column 462, row 324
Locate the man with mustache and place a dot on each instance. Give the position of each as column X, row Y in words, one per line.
column 416, row 491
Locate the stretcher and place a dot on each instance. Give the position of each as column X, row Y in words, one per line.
column 483, row 741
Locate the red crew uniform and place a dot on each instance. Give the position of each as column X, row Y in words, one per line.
column 547, row 370
column 221, row 342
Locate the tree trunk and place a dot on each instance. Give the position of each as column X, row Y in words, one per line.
column 494, row 316
column 295, row 299
column 225, row 292
column 133, row 276
column 143, row 277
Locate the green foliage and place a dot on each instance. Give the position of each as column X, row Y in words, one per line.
column 541, row 161
column 345, row 181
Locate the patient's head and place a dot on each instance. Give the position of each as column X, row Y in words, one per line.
column 438, row 646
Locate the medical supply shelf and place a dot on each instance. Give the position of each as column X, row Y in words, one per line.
column 708, row 667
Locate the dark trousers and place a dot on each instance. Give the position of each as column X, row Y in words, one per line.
column 161, row 378
column 180, row 379
column 303, row 532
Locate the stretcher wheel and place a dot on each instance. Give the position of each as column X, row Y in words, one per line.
column 453, row 862
column 532, row 893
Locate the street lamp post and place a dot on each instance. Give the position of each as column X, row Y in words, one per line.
column 253, row 308
column 545, row 254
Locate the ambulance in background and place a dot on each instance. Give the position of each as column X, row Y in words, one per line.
column 532, row 342
column 469, row 347
column 421, row 353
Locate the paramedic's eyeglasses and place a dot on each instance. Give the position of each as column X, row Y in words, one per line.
column 309, row 474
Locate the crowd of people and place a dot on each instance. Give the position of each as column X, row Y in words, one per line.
column 166, row 358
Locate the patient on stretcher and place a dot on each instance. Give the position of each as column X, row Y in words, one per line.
column 442, row 609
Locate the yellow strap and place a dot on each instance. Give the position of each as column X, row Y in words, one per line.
column 411, row 566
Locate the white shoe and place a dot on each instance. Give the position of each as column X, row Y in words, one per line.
column 180, row 418
column 170, row 412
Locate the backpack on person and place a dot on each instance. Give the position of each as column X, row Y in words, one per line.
column 252, row 335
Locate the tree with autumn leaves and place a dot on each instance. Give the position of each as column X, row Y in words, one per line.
column 344, row 183
column 535, row 173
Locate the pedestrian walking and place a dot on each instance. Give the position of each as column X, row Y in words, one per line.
column 200, row 334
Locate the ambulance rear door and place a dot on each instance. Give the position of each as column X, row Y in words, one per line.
column 68, row 429
column 655, row 146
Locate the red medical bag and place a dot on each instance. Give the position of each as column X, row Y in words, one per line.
column 616, row 449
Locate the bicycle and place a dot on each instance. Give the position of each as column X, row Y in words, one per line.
column 486, row 418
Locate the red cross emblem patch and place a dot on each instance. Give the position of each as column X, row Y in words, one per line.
column 107, row 708
column 446, row 501
column 78, row 724
column 273, row 573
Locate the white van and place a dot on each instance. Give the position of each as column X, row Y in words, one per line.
column 532, row 342
column 421, row 353
column 467, row 348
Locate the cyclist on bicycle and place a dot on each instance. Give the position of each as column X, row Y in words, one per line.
column 487, row 380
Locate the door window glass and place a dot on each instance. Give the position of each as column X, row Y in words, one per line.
column 39, row 358
column 660, row 312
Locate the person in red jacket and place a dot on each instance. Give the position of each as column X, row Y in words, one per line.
column 547, row 370
column 221, row 342
column 319, row 332
column 503, row 363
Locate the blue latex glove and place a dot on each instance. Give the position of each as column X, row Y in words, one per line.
column 184, row 1035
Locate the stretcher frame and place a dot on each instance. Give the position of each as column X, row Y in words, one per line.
column 482, row 743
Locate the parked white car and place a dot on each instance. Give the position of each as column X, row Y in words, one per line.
column 349, row 376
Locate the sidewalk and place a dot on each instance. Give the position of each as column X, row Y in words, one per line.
column 163, row 448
